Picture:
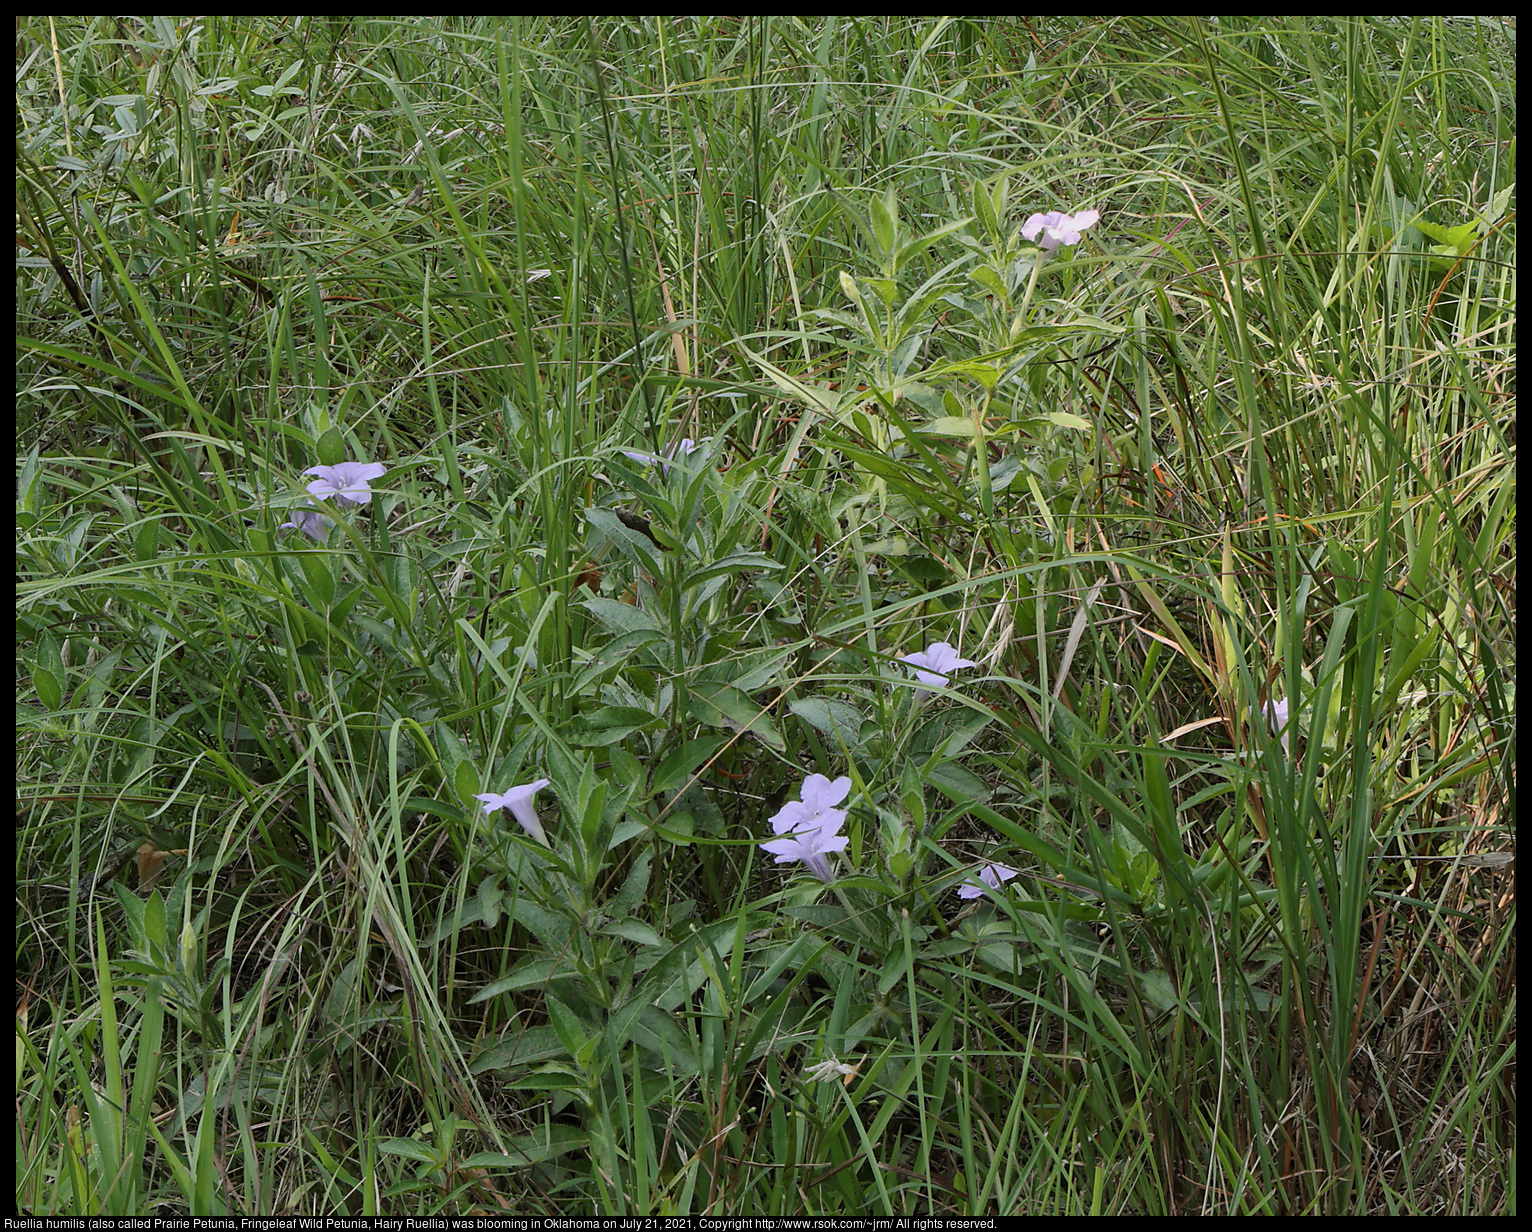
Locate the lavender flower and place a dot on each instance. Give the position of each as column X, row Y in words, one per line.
column 346, row 482
column 809, row 828
column 519, row 801
column 679, row 449
column 934, row 663
column 1276, row 718
column 819, row 796
column 992, row 875
column 310, row 521
column 1057, row 228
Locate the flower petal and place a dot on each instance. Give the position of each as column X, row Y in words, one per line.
column 346, row 481
column 992, row 876
column 519, row 801
column 310, row 521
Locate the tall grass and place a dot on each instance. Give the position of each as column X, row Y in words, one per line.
column 1247, row 446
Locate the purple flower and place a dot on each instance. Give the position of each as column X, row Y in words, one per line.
column 680, row 448
column 809, row 829
column 310, row 521
column 1276, row 718
column 519, row 801
column 1056, row 228
column 934, row 663
column 992, row 875
column 346, row 483
column 819, row 796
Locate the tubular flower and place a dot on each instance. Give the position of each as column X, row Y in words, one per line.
column 519, row 801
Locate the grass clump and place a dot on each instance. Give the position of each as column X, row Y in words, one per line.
column 737, row 408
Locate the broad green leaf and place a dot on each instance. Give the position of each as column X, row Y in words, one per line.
column 571, row 1031
column 525, row 1048
column 837, row 719
column 948, row 425
column 725, row 706
column 545, row 1142
column 957, row 783
column 551, row 929
column 633, row 930
column 885, row 221
column 410, row 1149
column 466, row 780
column 633, row 887
column 49, row 687
column 1066, row 419
column 608, row 725
column 621, row 617
column 682, row 762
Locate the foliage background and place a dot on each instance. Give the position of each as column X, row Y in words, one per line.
column 1251, row 440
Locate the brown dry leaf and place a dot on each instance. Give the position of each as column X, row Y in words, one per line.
column 150, row 860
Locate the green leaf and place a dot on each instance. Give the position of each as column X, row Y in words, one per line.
column 608, row 725
column 957, row 783
column 633, row 930
column 381, row 633
column 633, row 887
column 746, row 672
column 621, row 617
column 885, row 221
column 146, row 543
column 331, row 447
column 613, row 655
column 571, row 1031
column 1451, row 241
column 682, row 762
column 449, row 748
column 490, row 895
column 532, row 973
column 471, row 914
column 542, row 1144
column 49, row 687
column 919, row 244
column 321, row 582
column 465, row 780
column 1066, row 419
column 550, row 1077
column 410, row 1149
column 947, row 425
column 154, row 922
column 992, row 283
column 736, row 563
column 636, row 537
column 550, row 928
column 984, row 208
column 530, row 1047
column 837, row 719
column 725, row 706
column 1498, row 205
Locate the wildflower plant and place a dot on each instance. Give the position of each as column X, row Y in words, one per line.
column 342, row 486
column 954, row 439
